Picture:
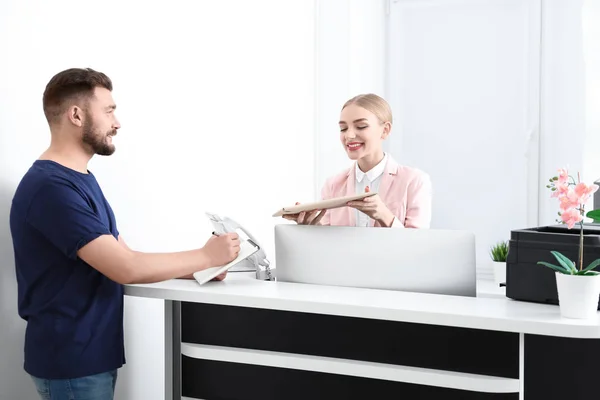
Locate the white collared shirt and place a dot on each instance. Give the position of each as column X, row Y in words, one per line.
column 372, row 179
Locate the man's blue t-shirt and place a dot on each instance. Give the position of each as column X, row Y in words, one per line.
column 74, row 313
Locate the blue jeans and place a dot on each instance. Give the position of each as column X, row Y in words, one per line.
column 93, row 387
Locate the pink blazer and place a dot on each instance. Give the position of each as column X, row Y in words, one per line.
column 406, row 191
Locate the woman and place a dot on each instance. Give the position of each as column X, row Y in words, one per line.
column 404, row 193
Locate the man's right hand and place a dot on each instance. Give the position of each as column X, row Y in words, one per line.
column 222, row 249
column 125, row 266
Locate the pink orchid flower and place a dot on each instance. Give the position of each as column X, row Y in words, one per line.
column 563, row 176
column 571, row 217
column 583, row 192
column 561, row 190
column 569, row 200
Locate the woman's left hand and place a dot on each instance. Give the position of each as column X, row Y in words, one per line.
column 373, row 206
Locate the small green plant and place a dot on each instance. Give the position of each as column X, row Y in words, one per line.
column 499, row 251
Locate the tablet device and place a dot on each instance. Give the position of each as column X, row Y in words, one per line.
column 246, row 250
column 336, row 202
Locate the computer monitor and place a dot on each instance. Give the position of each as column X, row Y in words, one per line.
column 415, row 260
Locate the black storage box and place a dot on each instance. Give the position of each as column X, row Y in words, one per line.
column 526, row 280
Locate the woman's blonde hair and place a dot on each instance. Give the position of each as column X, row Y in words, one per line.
column 374, row 104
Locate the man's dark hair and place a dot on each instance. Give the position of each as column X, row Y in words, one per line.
column 70, row 84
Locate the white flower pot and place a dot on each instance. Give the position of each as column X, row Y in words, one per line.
column 578, row 295
column 499, row 272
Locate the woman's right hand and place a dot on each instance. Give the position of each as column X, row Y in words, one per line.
column 306, row 217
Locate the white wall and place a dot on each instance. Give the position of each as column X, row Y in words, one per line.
column 217, row 109
column 350, row 60
column 492, row 97
column 563, row 95
column 591, row 56
column 464, row 84
column 570, row 94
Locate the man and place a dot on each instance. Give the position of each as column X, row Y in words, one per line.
column 71, row 261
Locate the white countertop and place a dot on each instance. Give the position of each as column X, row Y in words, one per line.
column 490, row 310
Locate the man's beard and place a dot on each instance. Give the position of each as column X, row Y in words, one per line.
column 97, row 140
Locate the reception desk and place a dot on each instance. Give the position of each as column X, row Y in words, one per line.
column 248, row 339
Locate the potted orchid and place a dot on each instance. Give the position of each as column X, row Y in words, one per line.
column 578, row 287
